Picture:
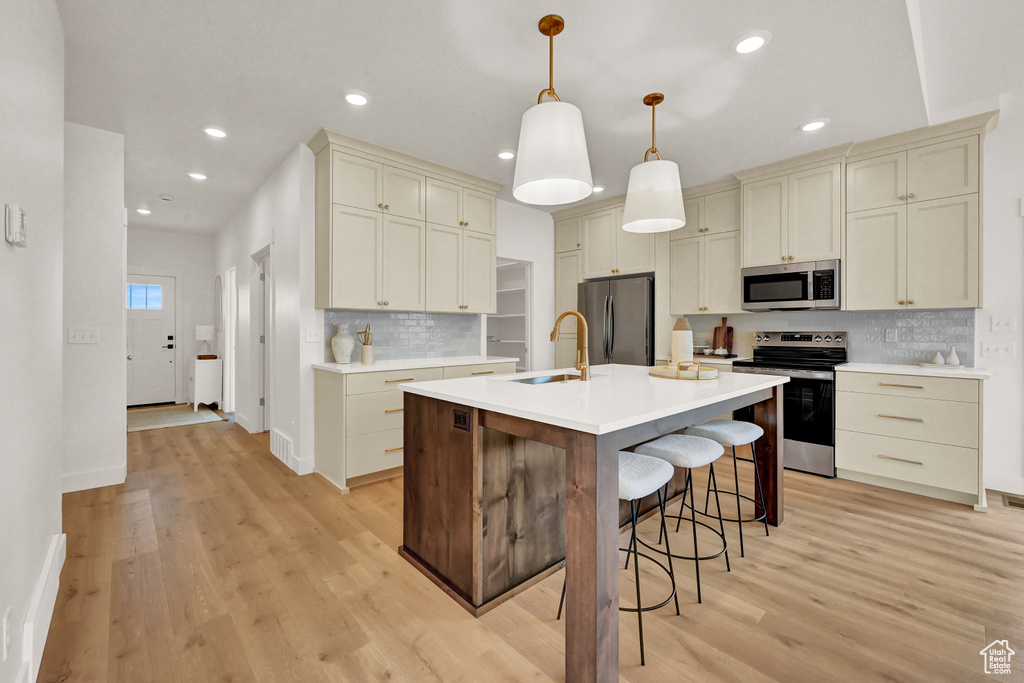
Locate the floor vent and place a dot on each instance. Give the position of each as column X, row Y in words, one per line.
column 281, row 447
column 1013, row 502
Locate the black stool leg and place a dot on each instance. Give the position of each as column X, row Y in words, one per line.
column 561, row 601
column 760, row 492
column 682, row 504
column 739, row 510
column 718, row 506
column 668, row 549
column 693, row 521
column 636, row 573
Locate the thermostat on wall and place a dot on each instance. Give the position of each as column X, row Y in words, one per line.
column 14, row 225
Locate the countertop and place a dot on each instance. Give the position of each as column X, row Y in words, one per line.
column 411, row 363
column 706, row 360
column 616, row 397
column 917, row 370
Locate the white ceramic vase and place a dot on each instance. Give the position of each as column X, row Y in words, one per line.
column 952, row 358
column 342, row 344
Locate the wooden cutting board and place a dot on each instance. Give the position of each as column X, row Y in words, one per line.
column 722, row 337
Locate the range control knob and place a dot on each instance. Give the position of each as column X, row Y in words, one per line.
column 828, row 338
column 757, row 338
column 817, row 338
column 839, row 338
column 767, row 338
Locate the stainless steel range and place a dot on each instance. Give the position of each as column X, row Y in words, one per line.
column 809, row 360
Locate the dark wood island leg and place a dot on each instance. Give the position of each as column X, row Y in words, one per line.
column 592, row 570
column 768, row 451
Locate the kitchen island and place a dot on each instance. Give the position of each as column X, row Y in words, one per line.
column 504, row 478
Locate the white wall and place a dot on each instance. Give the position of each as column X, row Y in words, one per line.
column 280, row 214
column 32, row 175
column 527, row 234
column 191, row 257
column 95, row 440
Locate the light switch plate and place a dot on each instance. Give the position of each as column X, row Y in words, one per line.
column 83, row 335
column 314, row 335
column 5, row 643
column 890, row 334
column 993, row 349
column 15, row 225
column 1004, row 323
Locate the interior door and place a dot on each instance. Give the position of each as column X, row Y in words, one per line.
column 150, row 339
column 630, row 316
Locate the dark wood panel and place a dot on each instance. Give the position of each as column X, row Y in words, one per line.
column 437, row 518
column 522, row 505
column 537, row 431
column 768, row 451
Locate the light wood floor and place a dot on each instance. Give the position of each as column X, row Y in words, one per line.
column 216, row 563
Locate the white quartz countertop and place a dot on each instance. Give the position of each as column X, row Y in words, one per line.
column 708, row 360
column 917, row 370
column 616, row 397
column 411, row 363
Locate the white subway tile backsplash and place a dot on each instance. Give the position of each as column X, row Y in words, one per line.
column 407, row 335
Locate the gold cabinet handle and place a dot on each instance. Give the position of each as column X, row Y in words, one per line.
column 783, row 258
column 902, row 302
column 404, row 379
column 790, row 257
column 381, row 303
column 577, row 244
column 907, row 419
column 484, row 372
column 380, row 206
column 394, row 410
column 392, row 450
column 910, row 462
column 911, row 195
column 902, row 196
column 910, row 301
column 901, row 386
column 387, row 303
column 387, row 207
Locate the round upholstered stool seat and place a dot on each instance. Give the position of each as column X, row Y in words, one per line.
column 640, row 476
column 682, row 450
column 727, row 432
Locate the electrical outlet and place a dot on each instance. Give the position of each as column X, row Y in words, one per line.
column 314, row 334
column 890, row 334
column 6, row 643
column 1004, row 324
column 999, row 349
column 83, row 335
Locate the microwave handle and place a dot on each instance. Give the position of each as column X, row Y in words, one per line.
column 811, row 294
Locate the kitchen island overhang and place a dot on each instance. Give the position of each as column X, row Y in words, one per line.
column 504, row 479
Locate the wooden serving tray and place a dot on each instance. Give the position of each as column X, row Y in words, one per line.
column 684, row 370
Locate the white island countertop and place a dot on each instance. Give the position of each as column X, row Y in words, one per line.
column 411, row 364
column 916, row 370
column 616, row 397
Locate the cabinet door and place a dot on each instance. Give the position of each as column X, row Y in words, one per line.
column 599, row 244
column 945, row 169
column 479, row 211
column 686, row 278
column 815, row 220
column 404, row 264
column 766, row 221
column 444, row 268
column 876, row 183
column 565, row 351
column 357, row 245
column 567, row 235
column 722, row 273
column 694, row 209
column 721, row 212
column 567, row 275
column 634, row 251
column 357, row 182
column 943, row 248
column 444, row 203
column 876, row 259
column 405, row 194
column 479, row 272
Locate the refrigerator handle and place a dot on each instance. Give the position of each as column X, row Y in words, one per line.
column 611, row 327
column 604, row 329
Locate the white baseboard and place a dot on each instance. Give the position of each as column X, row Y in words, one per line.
column 302, row 465
column 40, row 606
column 1005, row 483
column 80, row 481
column 243, row 422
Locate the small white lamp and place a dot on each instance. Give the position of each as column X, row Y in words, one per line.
column 205, row 334
column 654, row 198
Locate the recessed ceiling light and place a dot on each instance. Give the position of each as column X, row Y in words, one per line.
column 215, row 132
column 144, row 212
column 357, row 97
column 197, row 176
column 598, row 188
column 749, row 42
column 506, row 155
column 816, row 124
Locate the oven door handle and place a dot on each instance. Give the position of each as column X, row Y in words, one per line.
column 798, row 374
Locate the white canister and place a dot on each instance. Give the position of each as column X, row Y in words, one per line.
column 682, row 341
column 367, row 354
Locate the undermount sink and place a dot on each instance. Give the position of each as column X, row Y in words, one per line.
column 545, row 380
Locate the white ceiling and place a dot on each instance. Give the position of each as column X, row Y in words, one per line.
column 450, row 79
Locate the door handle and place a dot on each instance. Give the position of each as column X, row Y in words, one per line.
column 604, row 327
column 129, row 356
column 611, row 327
column 169, row 346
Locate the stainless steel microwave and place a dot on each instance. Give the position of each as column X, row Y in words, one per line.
column 811, row 285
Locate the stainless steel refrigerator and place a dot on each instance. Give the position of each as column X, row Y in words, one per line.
column 620, row 320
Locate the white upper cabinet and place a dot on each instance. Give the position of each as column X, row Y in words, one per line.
column 722, row 273
column 694, row 209
column 766, row 221
column 479, row 211
column 404, row 265
column 405, row 194
column 444, row 203
column 444, row 268
column 875, row 268
column 567, row 235
column 634, row 251
column 568, row 273
column 686, row 295
column 356, row 282
column 721, row 212
column 357, row 182
column 479, row 272
column 599, row 244
column 945, row 169
column 815, row 216
column 876, row 183
column 944, row 253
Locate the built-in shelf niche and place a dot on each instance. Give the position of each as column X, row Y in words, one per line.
column 508, row 330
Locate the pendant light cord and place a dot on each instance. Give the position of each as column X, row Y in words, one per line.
column 551, row 73
column 654, row 145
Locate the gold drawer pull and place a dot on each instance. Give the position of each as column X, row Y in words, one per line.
column 910, row 462
column 901, row 386
column 392, row 450
column 394, row 410
column 897, row 417
column 404, row 379
column 484, row 372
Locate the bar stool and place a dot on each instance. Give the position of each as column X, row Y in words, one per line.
column 639, row 477
column 736, row 433
column 690, row 452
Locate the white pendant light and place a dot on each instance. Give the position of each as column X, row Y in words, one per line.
column 654, row 198
column 552, row 163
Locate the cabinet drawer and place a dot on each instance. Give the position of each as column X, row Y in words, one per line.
column 377, row 412
column 947, row 467
column 370, row 382
column 921, row 419
column 456, row 371
column 913, row 386
column 368, row 453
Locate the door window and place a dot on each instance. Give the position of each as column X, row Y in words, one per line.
column 144, row 296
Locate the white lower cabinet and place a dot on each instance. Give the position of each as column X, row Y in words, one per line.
column 912, row 433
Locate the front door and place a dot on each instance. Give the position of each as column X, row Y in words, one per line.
column 150, row 339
